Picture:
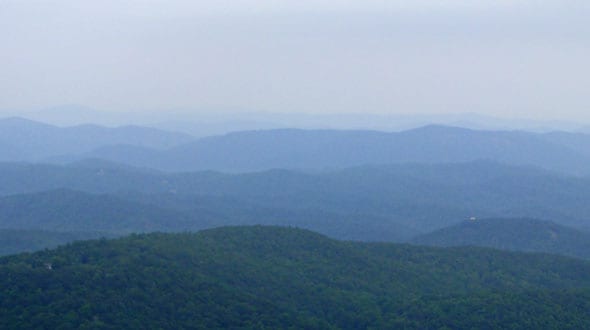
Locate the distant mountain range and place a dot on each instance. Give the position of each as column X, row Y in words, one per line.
column 71, row 211
column 390, row 202
column 209, row 121
column 42, row 220
column 309, row 149
column 246, row 151
column 26, row 140
column 512, row 234
column 353, row 185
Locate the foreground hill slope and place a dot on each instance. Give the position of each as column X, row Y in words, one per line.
column 272, row 277
column 512, row 234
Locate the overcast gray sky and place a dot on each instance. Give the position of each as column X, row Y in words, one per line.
column 504, row 58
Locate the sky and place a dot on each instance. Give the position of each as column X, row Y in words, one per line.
column 511, row 59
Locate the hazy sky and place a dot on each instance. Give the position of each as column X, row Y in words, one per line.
column 506, row 58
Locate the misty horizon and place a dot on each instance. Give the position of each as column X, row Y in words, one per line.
column 513, row 60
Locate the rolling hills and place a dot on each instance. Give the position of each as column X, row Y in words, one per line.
column 418, row 196
column 72, row 211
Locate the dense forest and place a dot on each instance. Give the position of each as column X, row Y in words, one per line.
column 271, row 277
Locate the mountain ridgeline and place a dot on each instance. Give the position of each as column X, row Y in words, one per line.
column 312, row 149
column 26, row 140
column 65, row 210
column 416, row 196
column 23, row 140
column 70, row 211
column 269, row 277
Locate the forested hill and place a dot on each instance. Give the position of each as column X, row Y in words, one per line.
column 513, row 234
column 270, row 277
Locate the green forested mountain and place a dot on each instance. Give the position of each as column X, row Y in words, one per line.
column 512, row 234
column 269, row 277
